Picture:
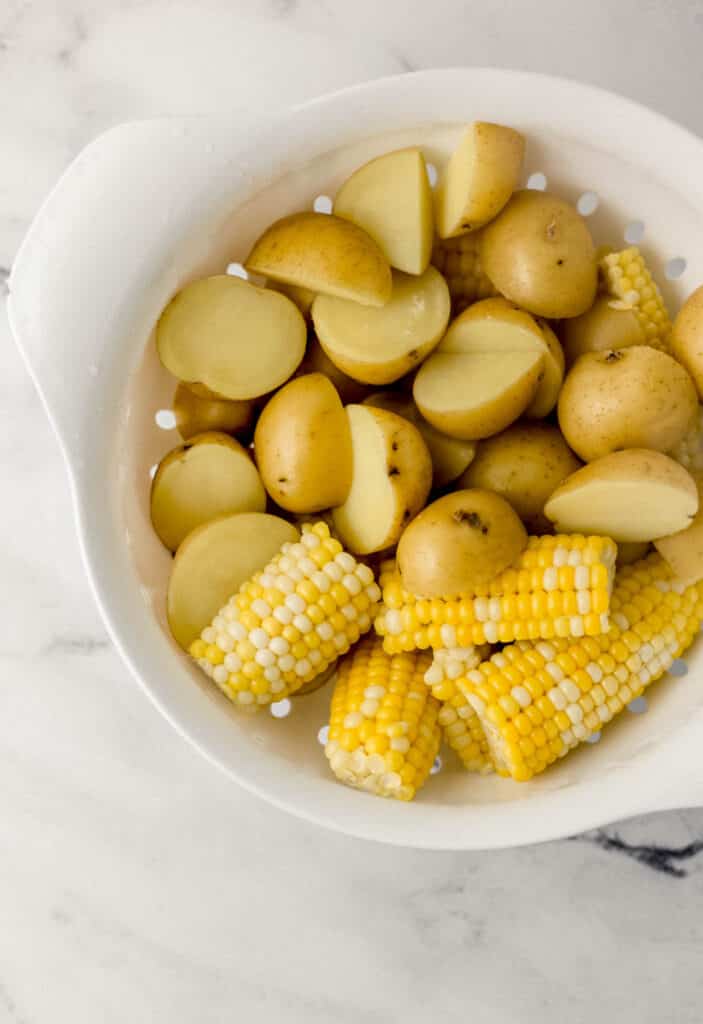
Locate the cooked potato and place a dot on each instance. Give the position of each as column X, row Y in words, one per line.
column 209, row 476
column 459, row 542
column 684, row 550
column 391, row 199
column 633, row 551
column 687, row 337
column 609, row 324
column 634, row 495
column 325, row 254
column 238, row 340
column 195, row 415
column 539, row 253
column 552, row 376
column 303, row 446
column 525, row 464
column 317, row 361
column 482, row 173
column 450, row 456
column 378, row 346
column 391, row 478
column 212, row 563
column 634, row 397
column 302, row 297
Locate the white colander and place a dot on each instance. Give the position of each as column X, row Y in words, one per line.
column 150, row 205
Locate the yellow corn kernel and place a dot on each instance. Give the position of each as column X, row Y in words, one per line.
column 458, row 260
column 627, row 278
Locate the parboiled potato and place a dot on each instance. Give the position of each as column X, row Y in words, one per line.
column 209, row 476
column 684, row 550
column 239, row 340
column 459, row 542
column 325, row 254
column 317, row 361
column 634, row 397
column 539, row 253
column 212, row 563
column 634, row 495
column 687, row 337
column 608, row 324
column 391, row 478
column 195, row 415
column 378, row 346
column 482, row 174
column 391, row 199
column 552, row 376
column 525, row 464
column 303, row 446
column 302, row 297
column 449, row 455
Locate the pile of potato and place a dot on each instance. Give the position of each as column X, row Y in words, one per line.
column 539, row 408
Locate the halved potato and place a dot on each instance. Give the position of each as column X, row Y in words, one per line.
column 608, row 324
column 391, row 478
column 303, row 446
column 239, row 340
column 378, row 346
column 482, row 173
column 212, row 563
column 684, row 551
column 209, row 476
column 633, row 495
column 317, row 361
column 325, row 254
column 552, row 376
column 196, row 415
column 391, row 199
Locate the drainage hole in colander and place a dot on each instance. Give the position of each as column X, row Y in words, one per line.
column 678, row 668
column 432, row 174
column 587, row 203
column 638, row 706
column 593, row 738
column 152, row 470
column 322, row 204
column 675, row 268
column 165, row 419
column 634, row 232
column 537, row 181
column 436, row 765
column 281, row 708
column 237, row 270
column 323, row 734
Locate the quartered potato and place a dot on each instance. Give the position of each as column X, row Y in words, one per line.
column 198, row 415
column 552, row 376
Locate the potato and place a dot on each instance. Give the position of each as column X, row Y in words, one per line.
column 317, row 361
column 209, row 476
column 687, row 337
column 450, row 456
column 378, row 346
column 632, row 551
column 325, row 254
column 303, row 446
column 195, row 415
column 684, row 550
column 608, row 324
column 634, row 495
column 391, row 199
column 539, row 253
column 391, row 478
column 239, row 340
column 525, row 464
column 302, row 297
column 482, row 173
column 459, row 542
column 634, row 397
column 552, row 376
column 212, row 563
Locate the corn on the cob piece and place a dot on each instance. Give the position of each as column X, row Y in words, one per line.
column 461, row 726
column 627, row 277
column 288, row 623
column 383, row 732
column 458, row 259
column 559, row 586
column 689, row 451
column 539, row 700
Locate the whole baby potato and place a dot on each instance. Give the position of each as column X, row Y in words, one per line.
column 687, row 337
column 608, row 324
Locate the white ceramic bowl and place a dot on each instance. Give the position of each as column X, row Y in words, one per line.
column 150, row 205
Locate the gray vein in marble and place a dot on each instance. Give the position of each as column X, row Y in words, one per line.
column 9, row 1007
column 76, row 645
column 666, row 860
column 4, row 279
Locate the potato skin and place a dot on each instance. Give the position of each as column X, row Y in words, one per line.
column 196, row 414
column 634, row 397
column 606, row 325
column 524, row 464
column 687, row 337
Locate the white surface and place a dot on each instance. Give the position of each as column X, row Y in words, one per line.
column 135, row 882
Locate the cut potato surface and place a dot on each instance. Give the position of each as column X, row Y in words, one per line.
column 325, row 254
column 239, row 340
column 481, row 175
column 391, row 199
column 212, row 563
column 684, row 551
column 633, row 495
column 196, row 415
column 391, row 478
column 549, row 386
column 378, row 346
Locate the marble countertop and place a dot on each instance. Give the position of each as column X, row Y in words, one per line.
column 137, row 883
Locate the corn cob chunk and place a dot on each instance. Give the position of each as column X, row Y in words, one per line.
column 383, row 732
column 288, row 623
column 461, row 726
column 458, row 260
column 628, row 279
column 539, row 700
column 689, row 451
column 559, row 586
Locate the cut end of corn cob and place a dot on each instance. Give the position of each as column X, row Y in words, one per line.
column 560, row 586
column 289, row 622
column 689, row 451
column 383, row 733
column 628, row 279
column 458, row 260
column 537, row 701
column 461, row 726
